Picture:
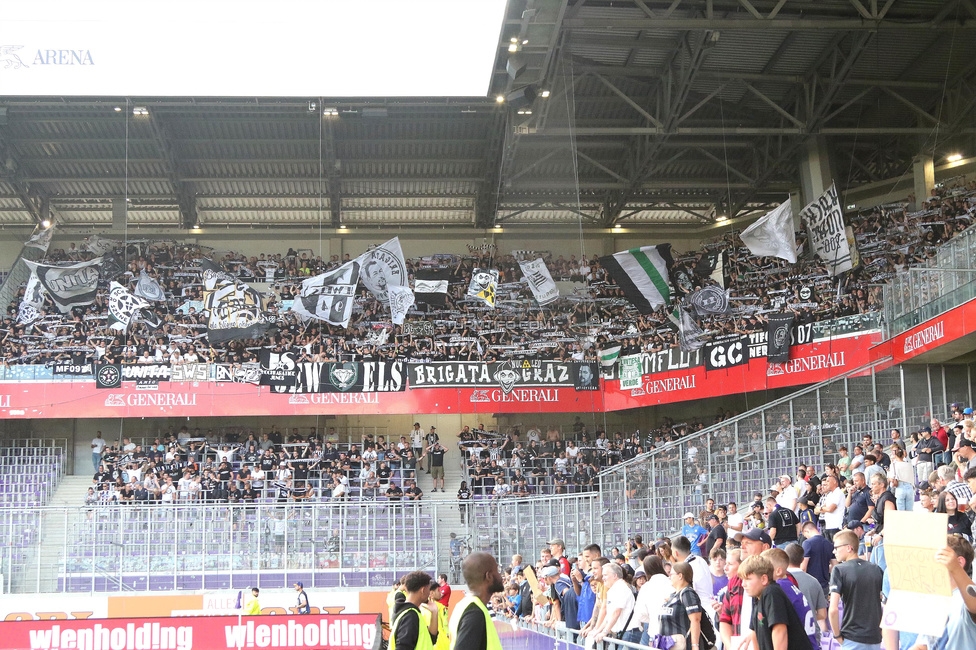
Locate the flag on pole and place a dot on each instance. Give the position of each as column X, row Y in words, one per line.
column 234, row 310
column 712, row 265
column 69, row 286
column 643, row 275
column 430, row 286
column 41, row 238
column 149, row 288
column 401, row 300
column 608, row 356
column 122, row 307
column 383, row 267
column 828, row 238
column 484, row 283
column 540, row 280
column 329, row 296
column 772, row 235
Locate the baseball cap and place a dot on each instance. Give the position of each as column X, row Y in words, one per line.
column 854, row 523
column 640, row 574
column 967, row 411
column 557, row 542
column 299, row 584
column 710, row 517
column 688, row 515
column 549, row 572
column 756, row 535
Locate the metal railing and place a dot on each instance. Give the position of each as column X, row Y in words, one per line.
column 740, row 457
column 920, row 293
column 367, row 543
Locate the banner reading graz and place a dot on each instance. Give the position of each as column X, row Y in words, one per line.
column 507, row 375
column 283, row 375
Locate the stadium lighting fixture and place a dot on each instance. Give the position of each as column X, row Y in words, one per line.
column 954, row 157
column 46, row 223
column 544, row 94
column 617, row 228
column 513, row 47
column 118, row 109
column 721, row 218
column 500, row 99
column 330, row 111
column 140, row 110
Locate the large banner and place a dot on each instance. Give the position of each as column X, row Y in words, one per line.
column 312, row 632
column 283, row 374
column 505, row 375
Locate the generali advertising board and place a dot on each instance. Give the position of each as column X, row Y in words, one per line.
column 809, row 363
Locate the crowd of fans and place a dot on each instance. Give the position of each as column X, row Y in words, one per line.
column 591, row 312
column 808, row 554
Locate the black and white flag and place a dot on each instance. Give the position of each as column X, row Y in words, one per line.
column 778, row 343
column 235, row 310
column 430, row 286
column 383, row 267
column 329, row 296
column 69, row 286
column 712, row 265
column 33, row 301
column 401, row 300
column 484, row 284
column 540, row 280
column 41, row 238
column 99, row 245
column 828, row 238
column 123, row 307
column 149, row 289
column 710, row 300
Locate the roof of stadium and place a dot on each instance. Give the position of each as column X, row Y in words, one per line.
column 646, row 113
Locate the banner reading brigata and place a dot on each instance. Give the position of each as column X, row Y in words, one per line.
column 506, row 375
column 193, row 633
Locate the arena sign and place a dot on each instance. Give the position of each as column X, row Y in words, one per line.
column 282, row 374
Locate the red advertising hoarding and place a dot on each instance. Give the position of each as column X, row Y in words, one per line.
column 197, row 633
column 809, row 363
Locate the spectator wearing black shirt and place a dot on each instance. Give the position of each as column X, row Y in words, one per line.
column 717, row 536
column 858, row 498
column 857, row 584
column 775, row 625
column 781, row 524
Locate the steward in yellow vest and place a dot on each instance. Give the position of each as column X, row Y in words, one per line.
column 471, row 627
column 409, row 630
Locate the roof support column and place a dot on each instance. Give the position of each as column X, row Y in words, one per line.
column 816, row 175
column 924, row 169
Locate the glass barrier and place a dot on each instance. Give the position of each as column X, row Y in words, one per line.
column 920, row 293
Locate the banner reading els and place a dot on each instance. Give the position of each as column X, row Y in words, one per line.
column 192, row 633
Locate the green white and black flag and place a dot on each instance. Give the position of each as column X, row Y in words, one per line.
column 643, row 274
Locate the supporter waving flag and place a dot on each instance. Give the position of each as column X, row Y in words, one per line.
column 329, row 296
column 383, row 267
column 148, row 288
column 643, row 274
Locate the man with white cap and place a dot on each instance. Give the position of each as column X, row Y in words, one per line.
column 694, row 533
